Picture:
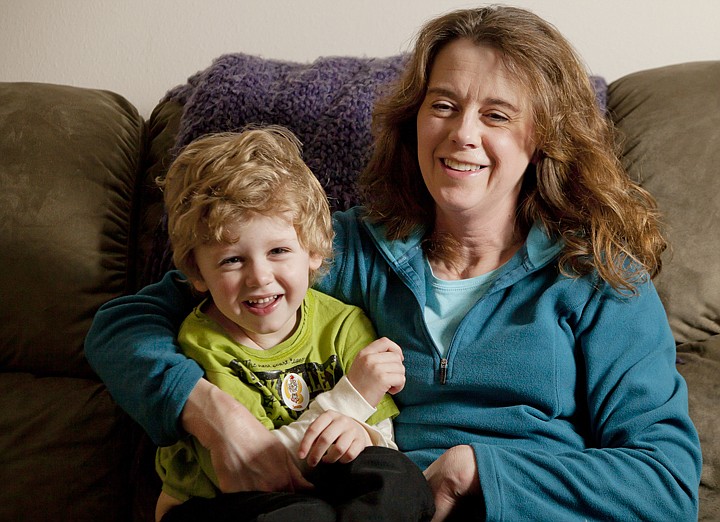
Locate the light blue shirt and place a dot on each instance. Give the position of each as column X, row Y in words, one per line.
column 448, row 302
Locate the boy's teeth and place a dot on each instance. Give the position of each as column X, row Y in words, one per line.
column 264, row 300
column 456, row 165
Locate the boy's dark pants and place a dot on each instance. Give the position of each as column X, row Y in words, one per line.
column 380, row 484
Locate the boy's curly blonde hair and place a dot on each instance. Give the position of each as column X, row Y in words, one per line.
column 221, row 178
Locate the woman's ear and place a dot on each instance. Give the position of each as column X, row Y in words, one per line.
column 536, row 157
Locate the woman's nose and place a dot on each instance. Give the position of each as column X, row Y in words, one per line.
column 467, row 132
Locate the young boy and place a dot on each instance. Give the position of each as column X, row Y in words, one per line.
column 251, row 229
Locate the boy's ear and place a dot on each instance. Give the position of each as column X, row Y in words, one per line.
column 315, row 262
column 199, row 285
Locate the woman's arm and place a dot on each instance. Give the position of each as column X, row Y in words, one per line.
column 132, row 347
column 641, row 456
column 452, row 476
column 245, row 455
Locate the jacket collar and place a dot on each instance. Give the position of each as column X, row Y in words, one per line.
column 407, row 259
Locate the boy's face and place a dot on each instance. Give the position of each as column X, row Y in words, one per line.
column 259, row 282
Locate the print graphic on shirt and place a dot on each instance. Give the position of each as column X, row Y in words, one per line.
column 294, row 392
column 287, row 392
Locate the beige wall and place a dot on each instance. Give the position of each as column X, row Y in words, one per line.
column 141, row 48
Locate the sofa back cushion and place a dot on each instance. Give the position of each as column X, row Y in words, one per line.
column 69, row 169
column 669, row 121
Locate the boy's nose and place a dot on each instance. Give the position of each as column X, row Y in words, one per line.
column 258, row 274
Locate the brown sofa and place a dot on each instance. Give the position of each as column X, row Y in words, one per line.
column 78, row 221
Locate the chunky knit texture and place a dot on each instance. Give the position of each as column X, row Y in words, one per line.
column 326, row 103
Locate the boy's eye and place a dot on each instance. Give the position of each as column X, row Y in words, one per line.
column 279, row 250
column 230, row 260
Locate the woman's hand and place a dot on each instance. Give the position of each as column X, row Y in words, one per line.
column 244, row 454
column 333, row 437
column 452, row 476
column 378, row 369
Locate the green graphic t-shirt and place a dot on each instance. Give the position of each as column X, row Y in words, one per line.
column 276, row 385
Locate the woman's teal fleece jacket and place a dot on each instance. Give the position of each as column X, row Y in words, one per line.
column 566, row 390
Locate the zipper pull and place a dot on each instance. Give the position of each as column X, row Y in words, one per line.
column 443, row 370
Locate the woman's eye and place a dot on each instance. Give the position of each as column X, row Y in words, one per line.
column 441, row 106
column 496, row 117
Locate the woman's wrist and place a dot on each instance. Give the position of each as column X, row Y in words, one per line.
column 207, row 411
column 244, row 454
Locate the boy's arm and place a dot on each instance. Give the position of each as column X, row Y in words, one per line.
column 345, row 399
column 348, row 401
column 378, row 369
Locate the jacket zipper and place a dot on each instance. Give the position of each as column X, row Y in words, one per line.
column 443, row 370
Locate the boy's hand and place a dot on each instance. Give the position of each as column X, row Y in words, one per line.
column 378, row 369
column 333, row 437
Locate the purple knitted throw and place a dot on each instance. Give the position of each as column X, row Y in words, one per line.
column 326, row 103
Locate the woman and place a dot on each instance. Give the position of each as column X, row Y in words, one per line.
column 505, row 250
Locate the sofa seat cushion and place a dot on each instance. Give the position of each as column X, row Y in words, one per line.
column 699, row 364
column 64, row 446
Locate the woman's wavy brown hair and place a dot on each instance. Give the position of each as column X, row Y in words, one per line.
column 577, row 188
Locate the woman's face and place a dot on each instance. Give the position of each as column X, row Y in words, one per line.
column 475, row 135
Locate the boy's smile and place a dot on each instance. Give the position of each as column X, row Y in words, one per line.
column 262, row 305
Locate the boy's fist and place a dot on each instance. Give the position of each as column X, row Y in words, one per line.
column 378, row 369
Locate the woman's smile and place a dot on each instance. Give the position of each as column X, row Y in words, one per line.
column 474, row 133
column 458, row 167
